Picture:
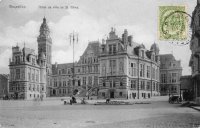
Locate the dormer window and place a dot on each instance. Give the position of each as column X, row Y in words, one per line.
column 33, row 61
column 103, row 49
column 142, row 53
column 17, row 59
column 68, row 71
column 63, row 71
column 112, row 48
column 59, row 71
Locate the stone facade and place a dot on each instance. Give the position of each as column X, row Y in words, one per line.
column 4, row 85
column 119, row 68
column 85, row 76
column 28, row 71
column 170, row 73
column 127, row 69
column 195, row 49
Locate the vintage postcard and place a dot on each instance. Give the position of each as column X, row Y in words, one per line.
column 99, row 63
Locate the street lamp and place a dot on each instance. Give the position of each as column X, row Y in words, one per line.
column 73, row 39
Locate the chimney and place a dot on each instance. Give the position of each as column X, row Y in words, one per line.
column 125, row 37
column 130, row 39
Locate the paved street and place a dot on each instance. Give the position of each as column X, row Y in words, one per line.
column 53, row 114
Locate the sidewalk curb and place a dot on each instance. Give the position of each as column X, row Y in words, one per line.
column 193, row 107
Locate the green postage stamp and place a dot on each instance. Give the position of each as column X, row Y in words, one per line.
column 172, row 23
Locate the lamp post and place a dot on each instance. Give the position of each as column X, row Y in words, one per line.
column 73, row 39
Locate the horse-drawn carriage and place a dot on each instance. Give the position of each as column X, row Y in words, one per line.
column 175, row 99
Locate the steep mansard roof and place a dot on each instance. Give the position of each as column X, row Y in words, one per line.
column 56, row 67
column 94, row 46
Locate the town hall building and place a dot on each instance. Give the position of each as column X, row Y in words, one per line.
column 115, row 68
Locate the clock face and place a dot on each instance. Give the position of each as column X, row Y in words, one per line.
column 187, row 18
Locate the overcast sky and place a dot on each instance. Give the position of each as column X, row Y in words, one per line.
column 92, row 20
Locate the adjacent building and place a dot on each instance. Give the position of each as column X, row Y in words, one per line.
column 170, row 73
column 194, row 62
column 85, row 77
column 127, row 69
column 187, row 88
column 4, row 85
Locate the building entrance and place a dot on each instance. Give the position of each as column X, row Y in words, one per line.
column 112, row 94
column 54, row 92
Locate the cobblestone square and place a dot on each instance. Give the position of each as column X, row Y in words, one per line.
column 54, row 114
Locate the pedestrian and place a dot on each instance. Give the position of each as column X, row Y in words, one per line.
column 107, row 100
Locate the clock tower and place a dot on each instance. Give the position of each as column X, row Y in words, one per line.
column 45, row 44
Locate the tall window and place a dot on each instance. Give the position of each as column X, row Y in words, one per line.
column 163, row 78
column 114, row 83
column 148, row 71
column 110, row 84
column 142, row 70
column 60, row 83
column 33, row 75
column 134, row 69
column 55, row 83
column 79, row 82
column 29, row 87
column 37, row 76
column 121, row 67
column 157, row 74
column 17, row 74
column 133, row 84
column 121, row 83
column 148, row 85
column 174, row 77
column 112, row 48
column 104, row 84
column 131, row 70
column 142, row 85
column 104, row 70
column 84, row 80
column 69, row 82
column 90, row 80
column 95, row 80
column 64, row 83
column 112, row 66
column 89, row 69
column 38, row 88
column 153, row 73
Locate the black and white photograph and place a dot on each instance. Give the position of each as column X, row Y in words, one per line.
column 100, row 64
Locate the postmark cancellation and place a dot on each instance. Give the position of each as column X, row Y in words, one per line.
column 172, row 23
